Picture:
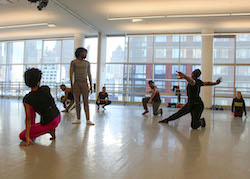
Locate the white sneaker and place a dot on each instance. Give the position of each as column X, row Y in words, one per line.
column 78, row 121
column 90, row 123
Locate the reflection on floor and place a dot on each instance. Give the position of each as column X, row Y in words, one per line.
column 125, row 144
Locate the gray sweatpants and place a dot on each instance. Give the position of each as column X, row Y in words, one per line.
column 81, row 88
column 155, row 105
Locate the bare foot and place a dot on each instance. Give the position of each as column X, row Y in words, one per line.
column 23, row 143
column 53, row 134
column 103, row 108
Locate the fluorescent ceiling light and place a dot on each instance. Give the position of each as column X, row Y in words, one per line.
column 131, row 18
column 137, row 20
column 197, row 15
column 180, row 16
column 240, row 14
column 27, row 25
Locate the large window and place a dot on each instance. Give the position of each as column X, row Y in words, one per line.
column 149, row 58
column 233, row 68
column 53, row 57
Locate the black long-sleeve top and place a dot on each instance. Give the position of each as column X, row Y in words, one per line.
column 238, row 104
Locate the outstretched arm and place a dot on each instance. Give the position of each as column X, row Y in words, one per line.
column 218, row 81
column 190, row 80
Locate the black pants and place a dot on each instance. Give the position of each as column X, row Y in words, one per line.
column 195, row 109
column 103, row 103
column 238, row 112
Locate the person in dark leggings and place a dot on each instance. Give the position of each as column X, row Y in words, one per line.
column 238, row 106
column 103, row 99
column 38, row 100
column 195, row 105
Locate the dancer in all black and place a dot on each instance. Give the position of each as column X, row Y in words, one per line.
column 67, row 100
column 195, row 105
column 103, row 99
column 238, row 106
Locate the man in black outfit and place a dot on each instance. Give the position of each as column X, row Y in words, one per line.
column 103, row 99
column 195, row 105
column 67, row 100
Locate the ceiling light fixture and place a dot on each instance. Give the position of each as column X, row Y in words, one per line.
column 131, row 18
column 180, row 16
column 137, row 20
column 27, row 25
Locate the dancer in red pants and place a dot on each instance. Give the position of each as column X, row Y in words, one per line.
column 40, row 101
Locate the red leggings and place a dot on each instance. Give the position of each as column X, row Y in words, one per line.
column 36, row 129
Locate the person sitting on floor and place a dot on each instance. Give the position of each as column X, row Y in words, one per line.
column 67, row 100
column 103, row 99
column 38, row 100
column 238, row 106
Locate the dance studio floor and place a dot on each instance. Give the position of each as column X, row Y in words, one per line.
column 125, row 144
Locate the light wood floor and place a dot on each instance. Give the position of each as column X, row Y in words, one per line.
column 125, row 144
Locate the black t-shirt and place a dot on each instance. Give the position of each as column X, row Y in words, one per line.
column 103, row 96
column 193, row 92
column 70, row 96
column 43, row 103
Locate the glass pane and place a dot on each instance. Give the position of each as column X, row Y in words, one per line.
column 52, row 51
column 191, row 49
column 65, row 74
column 33, row 52
column 67, row 50
column 32, row 66
column 227, row 74
column 93, row 74
column 2, row 73
column 242, row 76
column 140, row 49
column 243, row 49
column 223, row 50
column 91, row 44
column 166, row 49
column 116, row 49
column 115, row 81
column 15, row 52
column 15, row 73
column 51, row 74
column 3, row 52
column 223, row 101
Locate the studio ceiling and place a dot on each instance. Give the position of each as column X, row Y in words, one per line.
column 96, row 12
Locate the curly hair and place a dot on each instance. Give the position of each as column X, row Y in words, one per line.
column 79, row 51
column 32, row 77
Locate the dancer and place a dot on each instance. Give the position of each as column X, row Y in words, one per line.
column 238, row 106
column 40, row 101
column 101, row 99
column 195, row 105
column 67, row 100
column 155, row 99
column 80, row 69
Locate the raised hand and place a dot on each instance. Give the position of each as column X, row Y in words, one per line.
column 181, row 75
column 218, row 81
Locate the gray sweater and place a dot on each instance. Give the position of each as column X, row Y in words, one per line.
column 80, row 69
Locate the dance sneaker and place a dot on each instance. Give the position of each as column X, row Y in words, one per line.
column 164, row 121
column 90, row 123
column 203, row 122
column 145, row 112
column 78, row 121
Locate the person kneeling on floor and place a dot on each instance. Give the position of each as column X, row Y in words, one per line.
column 38, row 100
column 238, row 106
column 67, row 100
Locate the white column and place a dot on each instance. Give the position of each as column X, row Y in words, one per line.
column 101, row 59
column 207, row 67
column 78, row 40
